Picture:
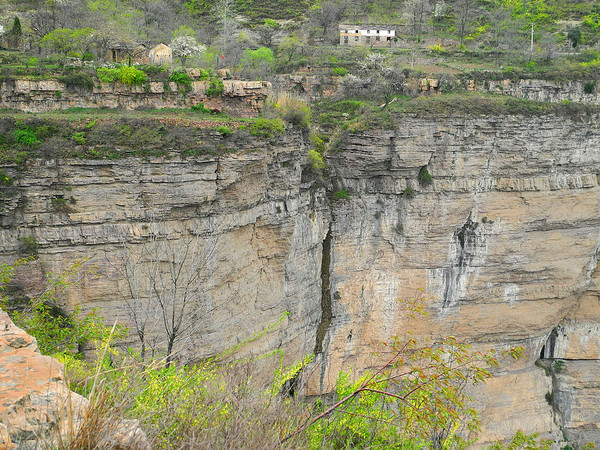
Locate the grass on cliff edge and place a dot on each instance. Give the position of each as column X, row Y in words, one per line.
column 75, row 114
column 359, row 114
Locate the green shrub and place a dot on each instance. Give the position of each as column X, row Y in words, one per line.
column 29, row 246
column 425, row 178
column 78, row 80
column 125, row 74
column 437, row 49
column 224, row 131
column 204, row 74
column 215, row 87
column 200, row 108
column 589, row 87
column 79, row 137
column 267, row 128
column 181, row 78
column 130, row 75
column 316, row 160
column 294, row 110
column 24, row 134
column 5, row 180
column 340, row 71
column 107, row 75
column 342, row 195
column 408, row 192
column 56, row 332
column 43, row 132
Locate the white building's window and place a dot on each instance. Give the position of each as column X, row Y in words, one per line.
column 355, row 38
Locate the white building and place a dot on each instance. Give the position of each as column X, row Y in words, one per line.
column 367, row 35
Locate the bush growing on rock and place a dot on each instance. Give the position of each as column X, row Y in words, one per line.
column 267, row 128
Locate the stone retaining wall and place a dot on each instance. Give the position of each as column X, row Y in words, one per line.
column 240, row 98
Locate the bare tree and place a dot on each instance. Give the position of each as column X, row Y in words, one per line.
column 223, row 12
column 162, row 282
column 328, row 14
column 415, row 12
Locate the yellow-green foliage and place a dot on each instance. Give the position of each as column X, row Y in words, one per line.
column 293, row 110
column 125, row 74
column 316, row 160
column 56, row 332
column 267, row 128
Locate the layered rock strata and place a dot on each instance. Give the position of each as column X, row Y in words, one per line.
column 251, row 227
column 503, row 243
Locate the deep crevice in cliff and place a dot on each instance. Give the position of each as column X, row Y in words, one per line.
column 325, row 322
column 465, row 240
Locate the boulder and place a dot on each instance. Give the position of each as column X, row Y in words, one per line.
column 37, row 408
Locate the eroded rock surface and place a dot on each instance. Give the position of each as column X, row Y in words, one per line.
column 37, row 409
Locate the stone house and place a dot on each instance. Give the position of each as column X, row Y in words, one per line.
column 367, row 35
column 128, row 53
column 161, row 55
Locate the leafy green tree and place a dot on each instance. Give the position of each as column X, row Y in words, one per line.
column 289, row 47
column 16, row 27
column 183, row 30
column 259, row 62
column 15, row 32
column 574, row 35
column 68, row 41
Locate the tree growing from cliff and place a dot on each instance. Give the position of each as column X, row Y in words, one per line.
column 162, row 282
column 417, row 397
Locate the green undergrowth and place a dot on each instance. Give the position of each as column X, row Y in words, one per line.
column 362, row 115
column 101, row 134
column 415, row 397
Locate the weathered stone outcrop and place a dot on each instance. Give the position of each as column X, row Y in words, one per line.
column 37, row 409
column 504, row 243
column 239, row 98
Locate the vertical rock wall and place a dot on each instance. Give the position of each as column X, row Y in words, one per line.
column 504, row 242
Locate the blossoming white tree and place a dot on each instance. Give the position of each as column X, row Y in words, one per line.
column 185, row 47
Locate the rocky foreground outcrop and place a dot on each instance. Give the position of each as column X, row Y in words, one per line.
column 504, row 243
column 37, row 409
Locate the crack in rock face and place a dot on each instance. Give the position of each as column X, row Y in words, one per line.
column 455, row 277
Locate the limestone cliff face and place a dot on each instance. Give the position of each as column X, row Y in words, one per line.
column 504, row 243
column 254, row 228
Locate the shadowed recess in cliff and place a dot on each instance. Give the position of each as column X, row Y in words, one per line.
column 455, row 276
column 325, row 322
